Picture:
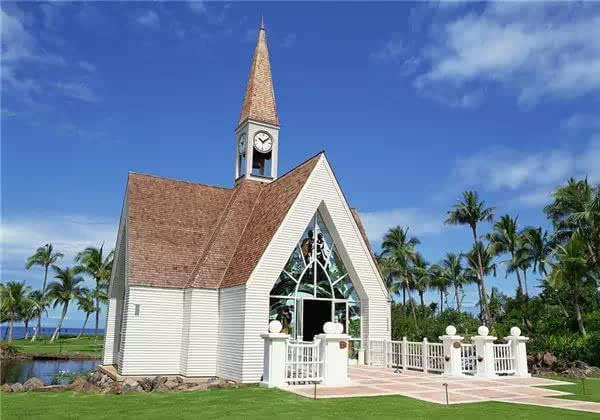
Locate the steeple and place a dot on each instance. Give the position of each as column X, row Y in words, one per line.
column 259, row 101
column 257, row 133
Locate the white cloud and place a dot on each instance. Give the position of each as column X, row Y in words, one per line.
column 578, row 122
column 393, row 50
column 68, row 233
column 79, row 91
column 535, row 198
column 87, row 66
column 198, row 7
column 289, row 40
column 377, row 223
column 536, row 50
column 148, row 18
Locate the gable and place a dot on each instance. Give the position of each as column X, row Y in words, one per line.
column 322, row 192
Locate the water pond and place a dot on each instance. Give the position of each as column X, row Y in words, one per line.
column 20, row 370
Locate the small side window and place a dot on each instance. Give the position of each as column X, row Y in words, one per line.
column 137, row 310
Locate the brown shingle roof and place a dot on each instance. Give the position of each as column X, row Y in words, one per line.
column 182, row 234
column 269, row 211
column 169, row 224
column 259, row 101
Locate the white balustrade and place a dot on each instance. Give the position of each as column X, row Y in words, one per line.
column 303, row 363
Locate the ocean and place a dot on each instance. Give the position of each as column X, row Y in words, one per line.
column 19, row 332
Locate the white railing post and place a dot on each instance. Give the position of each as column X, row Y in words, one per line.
column 424, row 355
column 275, row 356
column 404, row 349
column 519, row 352
column 484, row 348
column 452, row 352
column 387, row 346
column 334, row 354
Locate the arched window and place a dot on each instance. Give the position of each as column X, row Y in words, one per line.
column 315, row 272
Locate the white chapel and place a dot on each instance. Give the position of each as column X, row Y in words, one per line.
column 201, row 270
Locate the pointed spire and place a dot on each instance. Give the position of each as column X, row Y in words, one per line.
column 259, row 102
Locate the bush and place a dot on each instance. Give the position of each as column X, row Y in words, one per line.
column 569, row 347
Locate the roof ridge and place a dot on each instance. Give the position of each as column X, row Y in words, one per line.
column 212, row 239
column 166, row 178
column 298, row 166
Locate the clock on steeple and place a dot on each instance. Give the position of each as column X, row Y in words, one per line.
column 257, row 133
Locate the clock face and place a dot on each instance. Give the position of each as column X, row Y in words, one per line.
column 263, row 142
column 242, row 144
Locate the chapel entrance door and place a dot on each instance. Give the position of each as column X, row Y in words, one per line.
column 315, row 314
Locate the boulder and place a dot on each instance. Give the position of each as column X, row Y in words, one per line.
column 157, row 382
column 79, row 384
column 581, row 365
column 131, row 385
column 5, row 388
column 33, row 383
column 549, row 359
column 16, row 387
column 170, row 384
column 146, row 384
column 114, row 388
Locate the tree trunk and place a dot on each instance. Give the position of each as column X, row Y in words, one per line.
column 441, row 301
column 519, row 283
column 87, row 315
column 564, row 310
column 403, row 298
column 97, row 308
column 486, row 311
column 26, row 322
column 58, row 327
column 422, row 301
column 414, row 314
column 457, row 300
column 525, row 278
column 38, row 328
column 10, row 329
column 578, row 311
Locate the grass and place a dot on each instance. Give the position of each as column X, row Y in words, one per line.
column 256, row 403
column 63, row 345
column 592, row 388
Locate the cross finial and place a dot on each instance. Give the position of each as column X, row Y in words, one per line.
column 262, row 23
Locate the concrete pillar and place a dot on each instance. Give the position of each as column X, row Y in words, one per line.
column 518, row 346
column 275, row 356
column 333, row 351
column 404, row 350
column 452, row 352
column 424, row 354
column 484, row 347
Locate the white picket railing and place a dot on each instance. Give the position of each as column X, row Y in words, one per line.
column 468, row 359
column 414, row 355
column 504, row 362
column 395, row 354
column 435, row 357
column 377, row 352
column 303, row 362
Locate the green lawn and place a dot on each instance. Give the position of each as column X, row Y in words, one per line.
column 592, row 388
column 256, row 403
column 67, row 345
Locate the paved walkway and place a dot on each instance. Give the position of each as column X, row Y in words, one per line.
column 368, row 381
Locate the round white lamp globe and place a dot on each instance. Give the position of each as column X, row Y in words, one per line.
column 275, row 326
column 483, row 331
column 329, row 328
column 515, row 331
column 339, row 328
column 450, row 330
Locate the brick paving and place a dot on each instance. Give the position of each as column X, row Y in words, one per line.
column 368, row 381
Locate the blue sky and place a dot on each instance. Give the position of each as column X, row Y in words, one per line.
column 413, row 102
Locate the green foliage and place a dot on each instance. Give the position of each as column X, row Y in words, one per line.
column 570, row 347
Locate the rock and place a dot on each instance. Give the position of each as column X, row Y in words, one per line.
column 171, row 384
column 158, row 381
column 79, row 384
column 549, row 359
column 33, row 383
column 198, row 387
column 114, row 388
column 16, row 387
column 146, row 384
column 131, row 385
column 5, row 388
column 581, row 365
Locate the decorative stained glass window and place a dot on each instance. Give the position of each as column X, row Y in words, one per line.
column 315, row 270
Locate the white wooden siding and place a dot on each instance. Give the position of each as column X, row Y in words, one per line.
column 152, row 341
column 123, row 331
column 203, row 329
column 322, row 192
column 185, row 331
column 231, row 332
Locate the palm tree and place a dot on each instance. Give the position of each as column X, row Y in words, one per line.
column 506, row 239
column 399, row 248
column 481, row 259
column 63, row 291
column 452, row 266
column 13, row 298
column 440, row 281
column 92, row 261
column 538, row 248
column 40, row 303
column 572, row 269
column 28, row 311
column 85, row 303
column 421, row 275
column 44, row 256
column 470, row 211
